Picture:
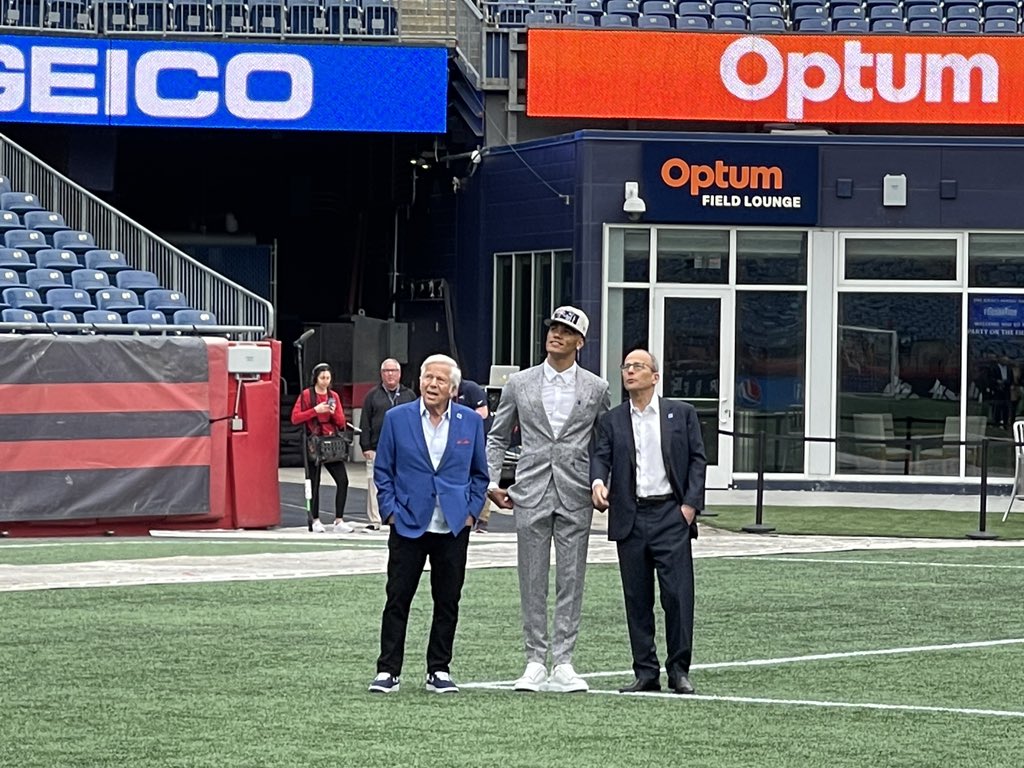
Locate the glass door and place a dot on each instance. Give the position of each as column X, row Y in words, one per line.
column 693, row 338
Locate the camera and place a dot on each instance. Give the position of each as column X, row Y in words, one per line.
column 634, row 207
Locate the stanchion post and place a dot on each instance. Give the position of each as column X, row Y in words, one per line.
column 759, row 526
column 982, row 533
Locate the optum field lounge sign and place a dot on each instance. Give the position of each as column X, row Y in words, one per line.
column 223, row 85
column 778, row 78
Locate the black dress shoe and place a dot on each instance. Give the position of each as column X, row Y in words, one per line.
column 681, row 685
column 642, row 685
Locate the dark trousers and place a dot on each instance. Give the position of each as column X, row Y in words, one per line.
column 340, row 474
column 406, row 559
column 658, row 544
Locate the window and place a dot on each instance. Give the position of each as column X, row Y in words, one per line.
column 527, row 287
column 693, row 256
column 887, row 259
column 766, row 257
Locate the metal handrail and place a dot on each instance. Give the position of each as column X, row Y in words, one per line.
column 232, row 304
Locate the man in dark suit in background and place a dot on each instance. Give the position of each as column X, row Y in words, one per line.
column 647, row 468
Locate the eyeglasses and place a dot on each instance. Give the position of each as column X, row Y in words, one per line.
column 634, row 367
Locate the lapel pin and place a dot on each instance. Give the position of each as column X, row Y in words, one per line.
column 458, row 415
column 671, row 415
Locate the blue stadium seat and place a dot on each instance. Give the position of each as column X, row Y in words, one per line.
column 843, row 4
column 9, row 220
column 932, row 26
column 5, row 182
column 623, row 8
column 58, row 258
column 306, row 17
column 59, row 317
column 90, row 280
column 16, row 258
column 23, row 13
column 915, row 3
column 166, row 301
column 43, row 280
column 578, row 20
column 68, row 14
column 511, row 13
column 19, row 316
column 558, row 8
column 190, row 16
column 655, row 21
column 105, row 260
column 46, row 222
column 658, row 8
column 916, row 12
column 818, row 25
column 230, row 16
column 616, row 21
column 9, row 279
column 963, row 27
column 729, row 24
column 114, row 15
column 20, row 202
column 727, row 9
column 138, row 280
column 150, row 15
column 877, row 12
column 846, row 12
column 955, row 12
column 266, row 17
column 101, row 317
column 767, row 24
column 381, row 17
column 766, row 10
column 1001, row 11
column 1000, row 26
column 146, row 317
column 851, row 26
column 534, row 19
column 25, row 298
column 25, row 239
column 876, row 3
column 343, row 17
column 74, row 240
column 888, row 25
column 694, row 9
column 117, row 300
column 805, row 12
column 592, row 8
column 70, row 300
column 194, row 317
column 693, row 22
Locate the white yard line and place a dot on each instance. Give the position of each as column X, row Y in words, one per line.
column 931, row 564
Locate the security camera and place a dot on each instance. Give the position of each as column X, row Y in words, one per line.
column 475, row 157
column 634, row 206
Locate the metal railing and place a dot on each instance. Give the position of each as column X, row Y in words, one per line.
column 230, row 303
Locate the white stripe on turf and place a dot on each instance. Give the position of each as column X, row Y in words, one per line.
column 837, row 561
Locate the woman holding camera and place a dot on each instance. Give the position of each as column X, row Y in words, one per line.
column 319, row 409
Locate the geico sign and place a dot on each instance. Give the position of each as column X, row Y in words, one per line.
column 919, row 74
column 67, row 81
column 676, row 172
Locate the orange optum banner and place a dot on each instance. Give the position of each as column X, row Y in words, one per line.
column 971, row 79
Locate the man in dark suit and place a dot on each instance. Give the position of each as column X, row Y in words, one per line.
column 431, row 475
column 647, row 468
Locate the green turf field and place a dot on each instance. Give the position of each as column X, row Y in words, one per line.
column 838, row 659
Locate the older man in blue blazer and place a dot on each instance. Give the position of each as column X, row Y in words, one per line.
column 431, row 476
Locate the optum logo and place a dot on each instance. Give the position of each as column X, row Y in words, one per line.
column 676, row 173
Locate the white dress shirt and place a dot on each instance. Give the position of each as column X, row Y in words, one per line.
column 651, row 477
column 558, row 393
column 437, row 440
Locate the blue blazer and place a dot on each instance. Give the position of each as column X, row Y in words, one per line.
column 408, row 486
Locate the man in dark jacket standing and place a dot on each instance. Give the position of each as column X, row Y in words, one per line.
column 378, row 401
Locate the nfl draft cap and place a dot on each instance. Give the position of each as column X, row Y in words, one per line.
column 572, row 317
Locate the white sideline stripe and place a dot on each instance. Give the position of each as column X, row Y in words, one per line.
column 810, row 657
column 135, row 542
column 886, row 562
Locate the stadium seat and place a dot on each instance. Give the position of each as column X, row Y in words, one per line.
column 166, row 301
column 695, row 9
column 658, row 8
column 820, row 24
column 150, row 15
column 117, row 300
column 59, row 317
column 138, row 280
column 25, row 239
column 343, row 17
column 805, row 12
column 655, row 21
column 9, row 279
column 68, row 14
column 846, row 12
column 931, row 26
column 623, row 8
column 190, row 16
column 70, row 300
column 25, row 298
column 306, row 17
column 194, row 317
column 43, row 280
column 592, row 8
column 1000, row 26
column 23, row 13
column 74, row 240
column 880, row 12
column 101, row 317
column 843, row 4
column 767, row 24
column 90, row 280
column 58, row 258
column 956, row 12
column 266, row 17
column 146, row 317
column 105, row 260
column 381, row 18
column 9, row 221
column 534, row 19
column 556, row 7
column 578, row 20
column 727, row 9
column 616, row 21
column 766, row 10
column 999, row 9
column 46, row 222
column 19, row 316
column 729, row 24
column 851, row 26
column 16, row 258
column 692, row 22
column 114, row 15
column 230, row 16
column 963, row 27
column 916, row 12
column 888, row 25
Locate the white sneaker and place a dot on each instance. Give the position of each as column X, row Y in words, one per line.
column 318, row 527
column 565, row 680
column 533, row 678
column 340, row 526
